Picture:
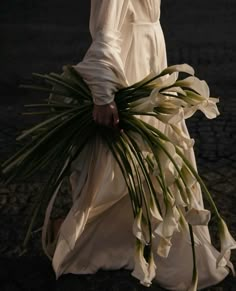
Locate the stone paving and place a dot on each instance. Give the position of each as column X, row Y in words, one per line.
column 42, row 38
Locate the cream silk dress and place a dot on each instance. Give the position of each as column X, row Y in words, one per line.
column 127, row 44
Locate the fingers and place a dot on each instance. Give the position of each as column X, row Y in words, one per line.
column 106, row 115
column 102, row 119
column 115, row 117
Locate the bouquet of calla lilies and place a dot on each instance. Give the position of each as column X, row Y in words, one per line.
column 160, row 180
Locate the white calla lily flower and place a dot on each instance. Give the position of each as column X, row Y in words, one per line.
column 184, row 68
column 181, row 187
column 170, row 224
column 144, row 271
column 163, row 247
column 208, row 108
column 156, row 98
column 193, row 286
column 179, row 138
column 227, row 243
column 199, row 86
column 140, row 271
column 142, row 105
column 174, row 90
column 196, row 216
column 179, row 200
column 171, row 118
column 140, row 228
column 155, row 213
column 168, row 108
column 151, row 271
column 188, row 176
column 165, row 81
column 168, row 168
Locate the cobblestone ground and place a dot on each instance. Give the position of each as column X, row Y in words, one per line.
column 42, row 38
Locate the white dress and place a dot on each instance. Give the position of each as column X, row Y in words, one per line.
column 127, row 44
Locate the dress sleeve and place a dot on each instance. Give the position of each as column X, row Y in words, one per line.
column 102, row 67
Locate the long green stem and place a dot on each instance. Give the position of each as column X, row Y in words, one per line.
column 193, row 253
column 140, row 161
column 199, row 179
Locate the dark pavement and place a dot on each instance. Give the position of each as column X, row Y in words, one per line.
column 40, row 36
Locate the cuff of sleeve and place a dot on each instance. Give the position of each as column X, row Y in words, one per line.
column 106, row 95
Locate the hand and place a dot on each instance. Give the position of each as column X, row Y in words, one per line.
column 106, row 115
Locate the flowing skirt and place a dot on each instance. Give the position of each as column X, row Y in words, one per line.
column 97, row 232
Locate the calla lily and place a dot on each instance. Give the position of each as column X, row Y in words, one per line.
column 163, row 247
column 144, row 147
column 227, row 242
column 140, row 228
column 179, row 138
column 179, row 200
column 169, row 109
column 141, row 271
column 192, row 98
column 154, row 211
column 189, row 179
column 163, row 100
column 151, row 271
column 182, row 189
column 196, row 216
column 184, row 68
column 173, row 118
column 148, row 103
column 142, row 105
column 165, row 81
column 193, row 286
column 199, row 86
column 144, row 271
column 168, row 168
column 208, row 108
column 174, row 90
column 169, row 225
column 167, row 98
column 198, row 98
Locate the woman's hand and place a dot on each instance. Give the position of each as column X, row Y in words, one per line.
column 106, row 115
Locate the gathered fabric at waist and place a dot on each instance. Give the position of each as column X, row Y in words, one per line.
column 143, row 23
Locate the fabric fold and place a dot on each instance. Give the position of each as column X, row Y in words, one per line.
column 102, row 67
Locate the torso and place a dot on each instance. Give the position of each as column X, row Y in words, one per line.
column 143, row 45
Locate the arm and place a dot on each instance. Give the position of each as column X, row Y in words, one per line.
column 102, row 67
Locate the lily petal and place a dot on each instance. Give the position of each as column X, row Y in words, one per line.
column 144, row 104
column 193, row 286
column 169, row 225
column 199, row 86
column 184, row 68
column 154, row 211
column 168, row 168
column 198, row 216
column 179, row 138
column 227, row 242
column 140, row 228
column 164, row 82
column 188, row 176
column 179, row 200
column 171, row 118
column 209, row 108
column 151, row 270
column 174, row 90
column 141, row 271
column 163, row 247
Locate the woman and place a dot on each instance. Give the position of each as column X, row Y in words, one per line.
column 127, row 44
